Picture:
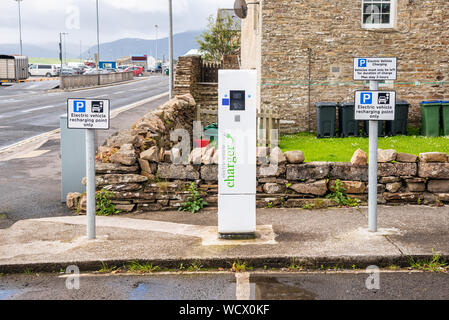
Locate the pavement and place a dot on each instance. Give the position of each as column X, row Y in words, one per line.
column 285, row 236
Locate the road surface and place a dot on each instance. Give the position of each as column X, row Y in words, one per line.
column 346, row 285
column 27, row 110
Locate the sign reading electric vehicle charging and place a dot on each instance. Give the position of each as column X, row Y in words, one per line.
column 375, row 69
column 88, row 114
column 375, row 105
column 91, row 115
column 237, row 118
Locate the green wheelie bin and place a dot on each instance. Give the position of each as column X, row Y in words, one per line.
column 445, row 113
column 346, row 122
column 380, row 129
column 326, row 117
column 399, row 125
column 430, row 117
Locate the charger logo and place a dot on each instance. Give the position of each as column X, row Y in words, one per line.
column 366, row 98
column 231, row 160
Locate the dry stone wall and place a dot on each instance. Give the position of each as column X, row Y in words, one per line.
column 141, row 168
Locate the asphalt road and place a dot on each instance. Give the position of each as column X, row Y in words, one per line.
column 229, row 286
column 27, row 109
column 30, row 184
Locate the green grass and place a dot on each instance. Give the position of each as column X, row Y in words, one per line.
column 342, row 149
column 49, row 60
column 436, row 264
column 142, row 268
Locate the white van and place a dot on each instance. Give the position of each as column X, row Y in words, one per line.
column 43, row 70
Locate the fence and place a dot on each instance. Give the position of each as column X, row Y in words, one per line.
column 267, row 120
column 209, row 71
column 91, row 80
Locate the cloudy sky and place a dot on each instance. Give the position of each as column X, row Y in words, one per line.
column 43, row 20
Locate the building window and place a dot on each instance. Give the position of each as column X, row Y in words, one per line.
column 378, row 13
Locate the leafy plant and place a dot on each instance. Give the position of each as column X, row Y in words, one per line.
column 340, row 197
column 435, row 264
column 308, row 206
column 195, row 266
column 270, row 205
column 104, row 205
column 238, row 266
column 106, row 269
column 135, row 266
column 194, row 203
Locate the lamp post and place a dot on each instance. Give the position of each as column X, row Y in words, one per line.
column 98, row 44
column 20, row 27
column 60, row 50
column 157, row 27
column 170, row 48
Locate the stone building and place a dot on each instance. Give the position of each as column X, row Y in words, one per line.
column 304, row 51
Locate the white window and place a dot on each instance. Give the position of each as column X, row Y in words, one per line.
column 378, row 13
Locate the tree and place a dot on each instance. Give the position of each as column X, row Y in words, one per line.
column 222, row 38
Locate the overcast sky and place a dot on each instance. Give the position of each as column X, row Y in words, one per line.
column 43, row 20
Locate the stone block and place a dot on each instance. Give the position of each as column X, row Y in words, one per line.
column 359, row 158
column 109, row 179
column 113, row 168
column 271, row 170
column 312, row 170
column 151, row 155
column 433, row 157
column 405, row 157
column 178, row 171
column 384, row 156
column 126, row 155
column 438, row 186
column 209, row 173
column 397, row 169
column 294, row 157
column 318, row 188
column 273, row 188
column 433, row 170
column 348, row 172
column 354, row 187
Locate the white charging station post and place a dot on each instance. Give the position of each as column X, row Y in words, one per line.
column 237, row 139
column 89, row 115
column 374, row 106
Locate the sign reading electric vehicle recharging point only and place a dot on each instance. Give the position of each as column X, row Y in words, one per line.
column 375, row 105
column 88, row 114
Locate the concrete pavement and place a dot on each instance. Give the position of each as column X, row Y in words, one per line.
column 167, row 239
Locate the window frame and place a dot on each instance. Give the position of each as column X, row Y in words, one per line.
column 392, row 24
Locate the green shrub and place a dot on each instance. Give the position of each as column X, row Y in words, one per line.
column 340, row 197
column 194, row 203
column 104, row 205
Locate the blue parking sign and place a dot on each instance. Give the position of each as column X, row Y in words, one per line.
column 79, row 106
column 366, row 98
column 362, row 63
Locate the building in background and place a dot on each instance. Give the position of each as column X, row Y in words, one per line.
column 304, row 50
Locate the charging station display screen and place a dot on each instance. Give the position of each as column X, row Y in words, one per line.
column 237, row 101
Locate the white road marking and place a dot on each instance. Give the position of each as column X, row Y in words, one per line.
column 37, row 109
column 119, row 92
column 242, row 286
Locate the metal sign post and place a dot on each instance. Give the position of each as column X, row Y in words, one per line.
column 89, row 115
column 372, row 173
column 374, row 106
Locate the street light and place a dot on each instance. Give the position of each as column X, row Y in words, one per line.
column 156, row 26
column 60, row 48
column 20, row 26
column 98, row 44
column 170, row 49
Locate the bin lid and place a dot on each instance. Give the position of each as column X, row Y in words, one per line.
column 346, row 104
column 402, row 102
column 325, row 104
column 430, row 102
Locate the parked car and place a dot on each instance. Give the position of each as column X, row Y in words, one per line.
column 68, row 72
column 43, row 70
column 111, row 70
column 122, row 68
column 137, row 71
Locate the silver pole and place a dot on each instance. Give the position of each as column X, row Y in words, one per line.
column 156, row 26
column 90, row 186
column 372, row 179
column 20, row 27
column 170, row 46
column 98, row 43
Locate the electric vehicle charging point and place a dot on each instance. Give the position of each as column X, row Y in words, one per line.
column 237, row 171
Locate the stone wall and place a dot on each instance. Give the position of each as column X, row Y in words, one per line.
column 91, row 80
column 332, row 31
column 145, row 171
